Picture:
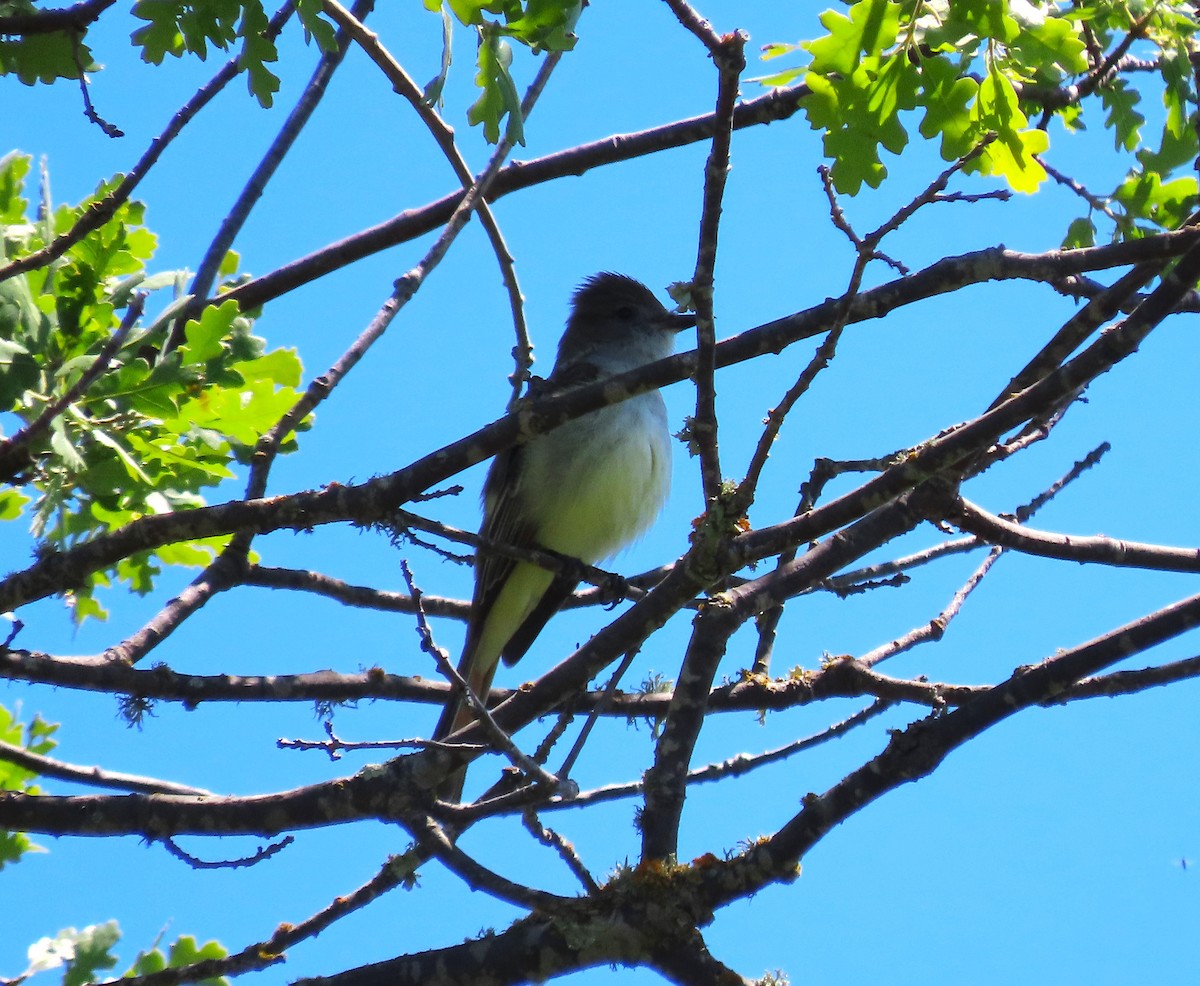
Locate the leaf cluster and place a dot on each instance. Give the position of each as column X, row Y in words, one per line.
column 978, row 72
column 154, row 430
column 541, row 25
column 195, row 27
column 44, row 57
column 178, row 27
column 84, row 955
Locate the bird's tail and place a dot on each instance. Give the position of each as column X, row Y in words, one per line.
column 457, row 713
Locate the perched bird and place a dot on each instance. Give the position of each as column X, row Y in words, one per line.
column 586, row 489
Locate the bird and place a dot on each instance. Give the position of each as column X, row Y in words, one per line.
column 587, row 489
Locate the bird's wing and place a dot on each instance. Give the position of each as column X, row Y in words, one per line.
column 551, row 602
column 505, row 522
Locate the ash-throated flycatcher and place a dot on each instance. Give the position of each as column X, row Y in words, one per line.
column 586, row 489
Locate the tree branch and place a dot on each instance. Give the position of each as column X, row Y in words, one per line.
column 376, row 499
column 1070, row 547
column 779, row 104
column 77, row 19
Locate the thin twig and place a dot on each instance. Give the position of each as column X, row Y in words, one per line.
column 734, row 766
column 93, row 776
column 566, row 851
column 239, row 212
column 361, row 596
column 498, row 738
column 196, row 863
column 397, row 871
column 435, row 840
column 98, row 213
column 610, row 689
column 935, row 628
column 730, row 58
column 89, row 111
column 404, row 85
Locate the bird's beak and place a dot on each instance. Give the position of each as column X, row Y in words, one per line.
column 678, row 321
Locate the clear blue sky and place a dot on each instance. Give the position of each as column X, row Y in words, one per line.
column 1047, row 851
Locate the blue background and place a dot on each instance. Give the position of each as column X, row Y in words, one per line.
column 1050, row 849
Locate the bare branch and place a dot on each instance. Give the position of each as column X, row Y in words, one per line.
column 76, row 19
column 239, row 212
column 735, row 766
column 93, row 776
column 566, row 851
column 397, row 871
column 933, row 631
column 729, row 56
column 497, row 738
column 779, row 104
column 1101, row 550
column 435, row 841
column 917, row 751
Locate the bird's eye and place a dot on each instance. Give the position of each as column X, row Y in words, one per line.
column 625, row 313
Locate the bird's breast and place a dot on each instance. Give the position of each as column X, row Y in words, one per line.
column 597, row 483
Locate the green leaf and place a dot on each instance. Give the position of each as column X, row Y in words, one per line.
column 1011, row 154
column 37, row 737
column 984, row 18
column 257, row 50
column 229, row 264
column 947, row 96
column 189, row 555
column 498, row 98
column 433, row 88
column 1146, row 196
column 177, row 26
column 867, row 28
column 161, row 36
column 204, row 336
column 546, row 25
column 14, row 166
column 1081, row 233
column 144, row 437
column 778, row 80
column 134, row 471
column 84, row 606
column 35, row 58
column 183, row 952
column 280, row 366
column 1050, row 47
column 12, row 504
column 14, row 845
column 63, row 447
column 1011, row 157
column 1123, row 119
column 319, row 29
column 776, row 49
column 1178, row 145
column 92, row 952
column 860, row 112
